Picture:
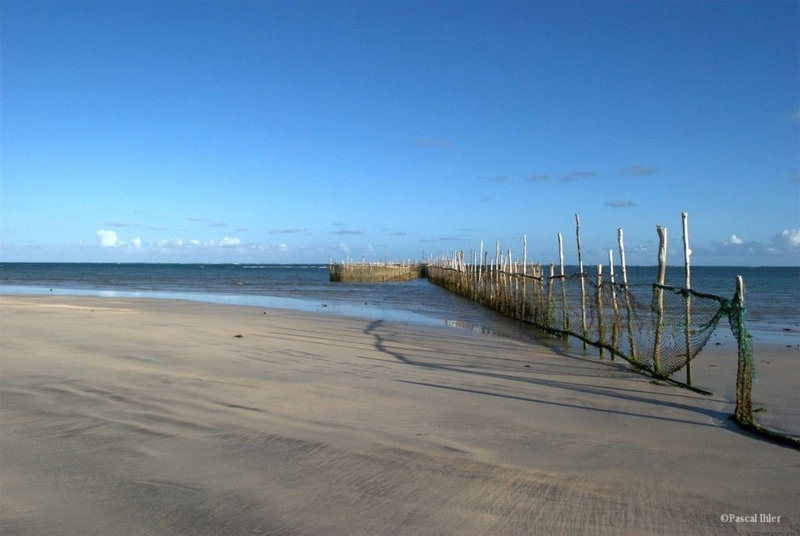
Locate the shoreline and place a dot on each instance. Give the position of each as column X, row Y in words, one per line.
column 721, row 347
column 141, row 416
column 768, row 337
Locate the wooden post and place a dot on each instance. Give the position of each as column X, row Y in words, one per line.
column 549, row 313
column 484, row 281
column 622, row 267
column 512, row 285
column 688, row 285
column 524, row 255
column 599, row 298
column 475, row 279
column 744, row 371
column 487, row 282
column 480, row 260
column 473, row 265
column 615, row 324
column 492, row 276
column 582, row 279
column 525, row 309
column 499, row 291
column 564, row 315
column 659, row 296
column 628, row 306
column 497, row 263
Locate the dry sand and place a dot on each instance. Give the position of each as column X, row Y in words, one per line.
column 143, row 417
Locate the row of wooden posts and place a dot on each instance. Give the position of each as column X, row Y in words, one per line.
column 517, row 289
column 516, row 304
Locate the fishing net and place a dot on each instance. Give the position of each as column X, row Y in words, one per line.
column 655, row 327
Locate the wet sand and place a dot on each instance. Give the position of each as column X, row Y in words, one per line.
column 156, row 417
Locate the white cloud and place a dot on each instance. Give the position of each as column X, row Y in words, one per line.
column 169, row 243
column 344, row 247
column 789, row 237
column 734, row 240
column 784, row 244
column 108, row 239
column 283, row 248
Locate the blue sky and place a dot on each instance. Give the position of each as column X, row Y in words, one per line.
column 148, row 131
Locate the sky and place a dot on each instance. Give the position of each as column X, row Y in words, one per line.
column 298, row 132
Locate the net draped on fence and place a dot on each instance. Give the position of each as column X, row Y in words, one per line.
column 655, row 327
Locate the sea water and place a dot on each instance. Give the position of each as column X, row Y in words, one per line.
column 772, row 293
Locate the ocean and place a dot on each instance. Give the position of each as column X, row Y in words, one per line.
column 772, row 293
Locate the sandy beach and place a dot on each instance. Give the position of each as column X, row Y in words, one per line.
column 159, row 417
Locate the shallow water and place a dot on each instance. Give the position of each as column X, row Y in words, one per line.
column 772, row 296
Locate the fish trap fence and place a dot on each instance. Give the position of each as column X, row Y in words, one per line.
column 656, row 328
column 375, row 272
column 659, row 329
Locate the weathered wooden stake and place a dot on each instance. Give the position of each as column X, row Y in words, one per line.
column 583, row 281
column 688, row 285
column 659, row 296
column 549, row 312
column 512, row 284
column 744, row 371
column 480, row 260
column 599, row 297
column 524, row 311
column 615, row 324
column 564, row 315
column 628, row 306
column 524, row 255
